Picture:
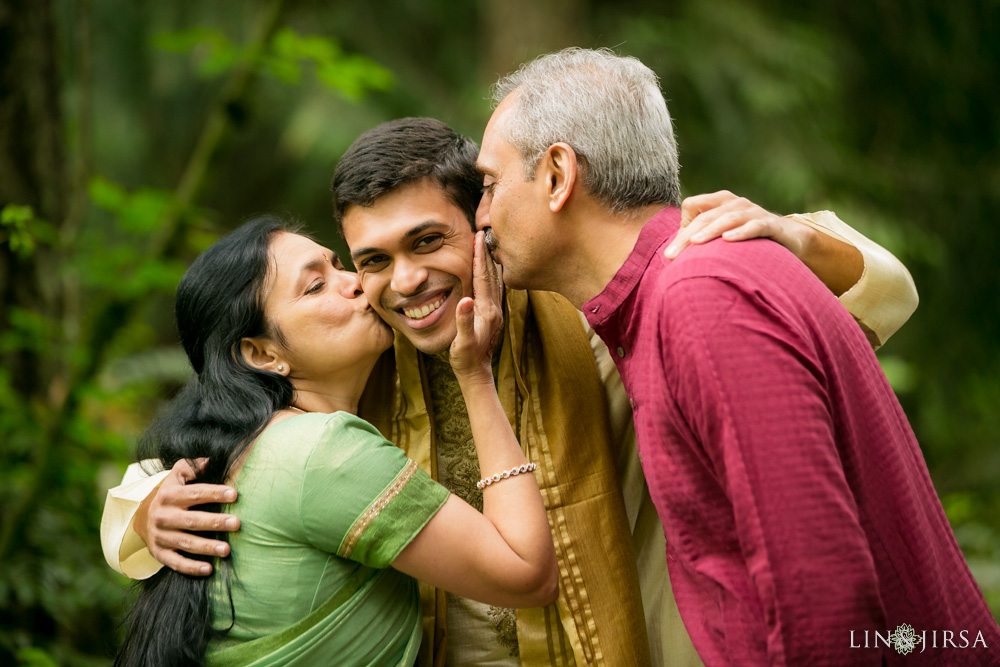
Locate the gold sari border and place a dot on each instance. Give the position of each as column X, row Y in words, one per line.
column 375, row 509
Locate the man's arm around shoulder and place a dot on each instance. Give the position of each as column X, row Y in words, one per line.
column 148, row 522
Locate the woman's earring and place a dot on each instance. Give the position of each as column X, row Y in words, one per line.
column 280, row 368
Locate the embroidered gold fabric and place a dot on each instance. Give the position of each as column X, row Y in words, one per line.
column 376, row 507
column 458, row 470
column 504, row 624
column 458, row 463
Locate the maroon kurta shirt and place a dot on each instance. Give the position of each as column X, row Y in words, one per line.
column 802, row 525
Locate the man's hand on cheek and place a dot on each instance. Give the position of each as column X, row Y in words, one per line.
column 168, row 525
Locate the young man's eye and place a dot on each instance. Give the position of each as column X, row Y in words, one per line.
column 373, row 263
column 428, row 241
column 487, row 188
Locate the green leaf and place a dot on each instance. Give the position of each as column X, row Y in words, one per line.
column 160, row 275
column 283, row 69
column 290, row 44
column 354, row 76
column 220, row 61
column 959, row 507
column 106, row 194
column 144, row 210
column 35, row 657
column 214, row 52
column 23, row 231
column 900, row 373
column 28, row 330
column 351, row 75
column 14, row 215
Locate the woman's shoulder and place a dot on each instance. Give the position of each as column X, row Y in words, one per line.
column 302, row 436
column 312, row 425
column 315, row 425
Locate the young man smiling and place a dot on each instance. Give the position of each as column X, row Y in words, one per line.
column 405, row 196
column 411, row 249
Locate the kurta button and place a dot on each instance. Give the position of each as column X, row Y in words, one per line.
column 631, row 401
column 621, row 351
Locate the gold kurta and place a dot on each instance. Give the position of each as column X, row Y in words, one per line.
column 551, row 390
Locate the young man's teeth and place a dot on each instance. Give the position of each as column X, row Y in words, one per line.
column 421, row 313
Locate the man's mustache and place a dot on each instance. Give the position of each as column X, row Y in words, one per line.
column 490, row 239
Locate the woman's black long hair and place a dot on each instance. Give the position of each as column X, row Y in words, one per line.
column 221, row 410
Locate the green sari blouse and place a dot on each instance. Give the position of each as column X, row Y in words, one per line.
column 325, row 504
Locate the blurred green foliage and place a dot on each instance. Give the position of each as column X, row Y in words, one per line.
column 178, row 120
column 350, row 75
column 21, row 231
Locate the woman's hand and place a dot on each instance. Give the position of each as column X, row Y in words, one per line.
column 705, row 217
column 479, row 319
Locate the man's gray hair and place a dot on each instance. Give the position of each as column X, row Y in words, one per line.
column 610, row 110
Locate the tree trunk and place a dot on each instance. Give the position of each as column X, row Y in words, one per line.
column 520, row 30
column 32, row 167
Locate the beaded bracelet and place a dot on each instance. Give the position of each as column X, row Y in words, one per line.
column 513, row 472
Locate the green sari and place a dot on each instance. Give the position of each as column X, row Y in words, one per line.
column 326, row 504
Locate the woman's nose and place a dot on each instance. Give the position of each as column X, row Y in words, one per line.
column 351, row 285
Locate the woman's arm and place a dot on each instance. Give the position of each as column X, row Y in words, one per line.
column 503, row 556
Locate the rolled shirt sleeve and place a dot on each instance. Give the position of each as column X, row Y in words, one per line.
column 885, row 296
column 124, row 550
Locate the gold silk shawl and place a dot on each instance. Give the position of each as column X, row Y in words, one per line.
column 551, row 391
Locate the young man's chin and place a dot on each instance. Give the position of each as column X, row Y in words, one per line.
column 434, row 340
column 430, row 344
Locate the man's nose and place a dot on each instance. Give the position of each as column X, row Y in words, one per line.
column 407, row 277
column 483, row 213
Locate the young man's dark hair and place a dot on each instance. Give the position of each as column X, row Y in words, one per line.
column 405, row 151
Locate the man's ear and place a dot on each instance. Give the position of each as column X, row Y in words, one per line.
column 260, row 354
column 560, row 170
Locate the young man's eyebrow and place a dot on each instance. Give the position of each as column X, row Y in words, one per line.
column 410, row 233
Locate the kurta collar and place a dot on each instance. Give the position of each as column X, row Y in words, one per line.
column 654, row 233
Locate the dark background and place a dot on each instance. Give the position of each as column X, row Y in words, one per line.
column 134, row 133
